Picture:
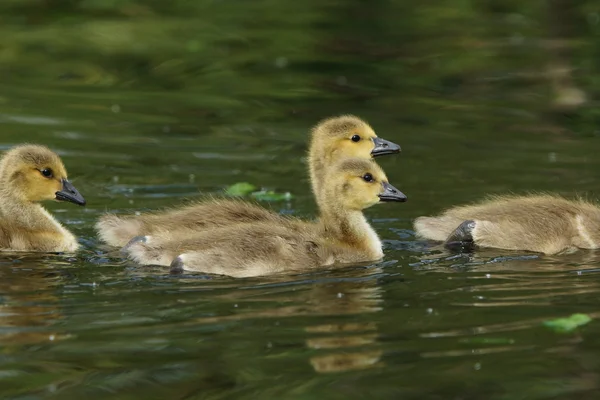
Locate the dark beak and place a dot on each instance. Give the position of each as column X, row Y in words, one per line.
column 390, row 193
column 383, row 147
column 69, row 193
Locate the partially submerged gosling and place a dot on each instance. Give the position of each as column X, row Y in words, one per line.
column 331, row 140
column 30, row 174
column 341, row 235
column 547, row 224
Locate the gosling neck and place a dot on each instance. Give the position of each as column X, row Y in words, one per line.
column 25, row 213
column 351, row 228
column 318, row 161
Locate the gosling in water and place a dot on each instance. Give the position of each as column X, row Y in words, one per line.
column 331, row 140
column 548, row 224
column 30, row 174
column 341, row 235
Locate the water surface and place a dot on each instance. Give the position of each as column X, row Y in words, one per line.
column 151, row 105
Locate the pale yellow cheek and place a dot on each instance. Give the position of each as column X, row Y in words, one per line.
column 366, row 150
column 348, row 148
column 364, row 202
column 43, row 190
column 374, row 201
column 47, row 196
column 344, row 147
column 360, row 150
column 353, row 151
column 369, row 146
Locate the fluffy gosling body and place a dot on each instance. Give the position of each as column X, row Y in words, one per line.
column 548, row 224
column 331, row 140
column 30, row 174
column 341, row 235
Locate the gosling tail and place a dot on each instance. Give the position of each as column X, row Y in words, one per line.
column 436, row 228
column 117, row 231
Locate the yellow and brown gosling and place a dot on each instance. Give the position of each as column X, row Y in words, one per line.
column 331, row 140
column 30, row 174
column 341, row 235
column 548, row 224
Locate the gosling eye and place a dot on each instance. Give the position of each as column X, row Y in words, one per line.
column 47, row 172
column 355, row 138
column 368, row 177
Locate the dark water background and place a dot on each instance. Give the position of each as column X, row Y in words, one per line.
column 153, row 102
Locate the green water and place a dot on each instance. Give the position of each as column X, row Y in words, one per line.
column 152, row 102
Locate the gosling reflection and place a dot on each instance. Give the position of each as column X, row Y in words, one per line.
column 442, row 259
column 496, row 279
column 356, row 340
column 28, row 304
column 347, row 346
column 342, row 345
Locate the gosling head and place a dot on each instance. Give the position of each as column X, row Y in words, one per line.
column 356, row 184
column 35, row 173
column 352, row 137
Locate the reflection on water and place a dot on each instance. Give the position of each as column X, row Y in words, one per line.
column 99, row 330
column 30, row 308
column 152, row 104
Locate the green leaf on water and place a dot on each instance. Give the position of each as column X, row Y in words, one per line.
column 248, row 189
column 569, row 324
column 269, row 195
column 240, row 189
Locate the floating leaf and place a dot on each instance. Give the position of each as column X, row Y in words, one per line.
column 569, row 324
column 269, row 195
column 240, row 189
column 245, row 189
